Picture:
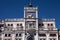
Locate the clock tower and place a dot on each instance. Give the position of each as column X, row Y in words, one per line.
column 30, row 11
column 31, row 21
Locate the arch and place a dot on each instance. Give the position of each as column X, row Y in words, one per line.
column 30, row 38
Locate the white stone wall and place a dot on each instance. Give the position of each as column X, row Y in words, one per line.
column 36, row 36
column 15, row 24
column 45, row 24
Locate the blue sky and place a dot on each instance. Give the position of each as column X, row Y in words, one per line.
column 46, row 8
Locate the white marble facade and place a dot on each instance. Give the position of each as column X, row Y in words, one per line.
column 28, row 28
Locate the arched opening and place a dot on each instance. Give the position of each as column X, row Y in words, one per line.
column 30, row 38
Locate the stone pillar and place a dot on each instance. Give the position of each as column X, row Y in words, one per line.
column 57, row 36
column 36, row 36
column 13, row 36
column 23, row 36
column 47, row 36
column 2, row 36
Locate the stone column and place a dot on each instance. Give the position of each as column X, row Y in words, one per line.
column 2, row 36
column 23, row 36
column 13, row 36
